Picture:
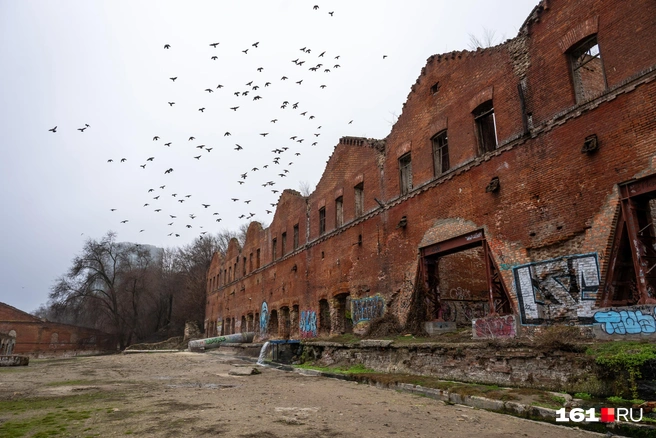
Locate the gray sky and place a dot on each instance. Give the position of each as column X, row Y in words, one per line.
column 102, row 63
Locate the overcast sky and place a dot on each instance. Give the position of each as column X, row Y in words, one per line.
column 103, row 63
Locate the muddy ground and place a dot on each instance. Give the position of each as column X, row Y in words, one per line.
column 192, row 395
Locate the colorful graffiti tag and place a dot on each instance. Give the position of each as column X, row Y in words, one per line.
column 264, row 317
column 627, row 321
column 495, row 327
column 308, row 324
column 565, row 288
column 365, row 309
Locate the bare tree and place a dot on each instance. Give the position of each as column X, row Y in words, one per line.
column 107, row 281
column 488, row 39
column 305, row 188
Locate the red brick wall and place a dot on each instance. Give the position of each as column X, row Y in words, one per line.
column 553, row 199
column 39, row 338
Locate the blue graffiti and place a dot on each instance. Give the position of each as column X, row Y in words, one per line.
column 626, row 322
column 308, row 324
column 364, row 309
column 264, row 317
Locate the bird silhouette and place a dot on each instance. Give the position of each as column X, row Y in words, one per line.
column 191, row 138
column 299, row 82
column 240, row 182
column 209, row 149
column 150, row 158
column 384, row 56
column 254, row 169
column 110, row 161
column 156, row 197
column 269, row 211
column 143, row 166
column 205, row 205
column 200, row 146
column 172, row 216
column 284, row 78
column 274, row 120
column 53, row 129
column 219, row 86
column 322, row 86
column 264, row 134
column 315, row 7
column 209, row 90
column 266, row 84
column 260, row 69
column 198, row 157
column 238, row 148
column 257, row 98
column 214, row 45
column 171, row 103
column 158, row 210
column 214, row 58
column 167, row 144
column 245, row 51
column 124, row 222
column 112, row 209
column 155, row 138
column 167, row 46
column 201, row 109
column 331, row 13
column 234, row 199
column 350, row 122
column 168, row 171
column 227, row 134
column 81, row 129
column 151, row 190
column 173, row 79
column 162, row 187
column 234, row 108
column 146, row 205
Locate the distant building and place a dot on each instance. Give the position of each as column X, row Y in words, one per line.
column 519, row 180
column 32, row 336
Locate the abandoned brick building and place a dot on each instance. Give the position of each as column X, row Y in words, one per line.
column 25, row 334
column 519, row 180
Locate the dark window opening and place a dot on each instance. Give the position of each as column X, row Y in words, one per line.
column 257, row 259
column 283, row 244
column 435, row 88
column 274, row 248
column 324, row 317
column 339, row 212
column 250, row 264
column 244, row 268
column 486, row 127
column 296, row 236
column 359, row 199
column 322, row 220
column 405, row 173
column 587, row 70
column 440, row 153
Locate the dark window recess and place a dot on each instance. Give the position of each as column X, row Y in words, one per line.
column 405, row 173
column 250, row 267
column 257, row 259
column 322, row 220
column 339, row 212
column 274, row 249
column 587, row 70
column 359, row 199
column 296, row 236
column 486, row 126
column 283, row 244
column 244, row 268
column 440, row 153
column 435, row 88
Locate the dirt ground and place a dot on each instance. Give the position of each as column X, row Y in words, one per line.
column 192, row 395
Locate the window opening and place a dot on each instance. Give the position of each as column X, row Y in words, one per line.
column 440, row 153
column 405, row 172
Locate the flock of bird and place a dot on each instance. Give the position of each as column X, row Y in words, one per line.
column 278, row 166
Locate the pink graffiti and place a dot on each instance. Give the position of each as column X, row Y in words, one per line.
column 495, row 327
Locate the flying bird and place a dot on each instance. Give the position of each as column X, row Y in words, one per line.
column 245, row 51
column 331, row 13
column 167, row 46
column 113, row 209
column 81, row 129
column 151, row 190
column 260, row 69
column 234, row 199
column 384, row 56
column 173, row 79
column 192, row 138
column 214, row 45
column 124, row 222
column 53, row 129
column 155, row 138
column 150, row 158
column 234, row 108
column 200, row 146
column 209, row 90
column 264, row 134
column 315, row 7
column 238, row 148
column 168, row 171
column 171, row 103
column 167, row 144
column 110, row 161
column 227, row 134
column 214, row 58
column 201, row 109
column 143, row 166
column 255, row 44
column 198, row 157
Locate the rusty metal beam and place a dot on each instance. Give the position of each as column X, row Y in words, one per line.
column 456, row 244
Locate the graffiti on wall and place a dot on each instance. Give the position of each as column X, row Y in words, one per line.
column 495, row 327
column 365, row 309
column 636, row 320
column 308, row 324
column 564, row 288
column 463, row 312
column 264, row 317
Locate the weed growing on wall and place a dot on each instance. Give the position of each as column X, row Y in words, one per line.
column 623, row 361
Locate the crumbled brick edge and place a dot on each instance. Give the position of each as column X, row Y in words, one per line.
column 522, row 410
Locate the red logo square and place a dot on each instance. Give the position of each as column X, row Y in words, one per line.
column 607, row 415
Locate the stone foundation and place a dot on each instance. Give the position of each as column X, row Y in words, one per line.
column 14, row 361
